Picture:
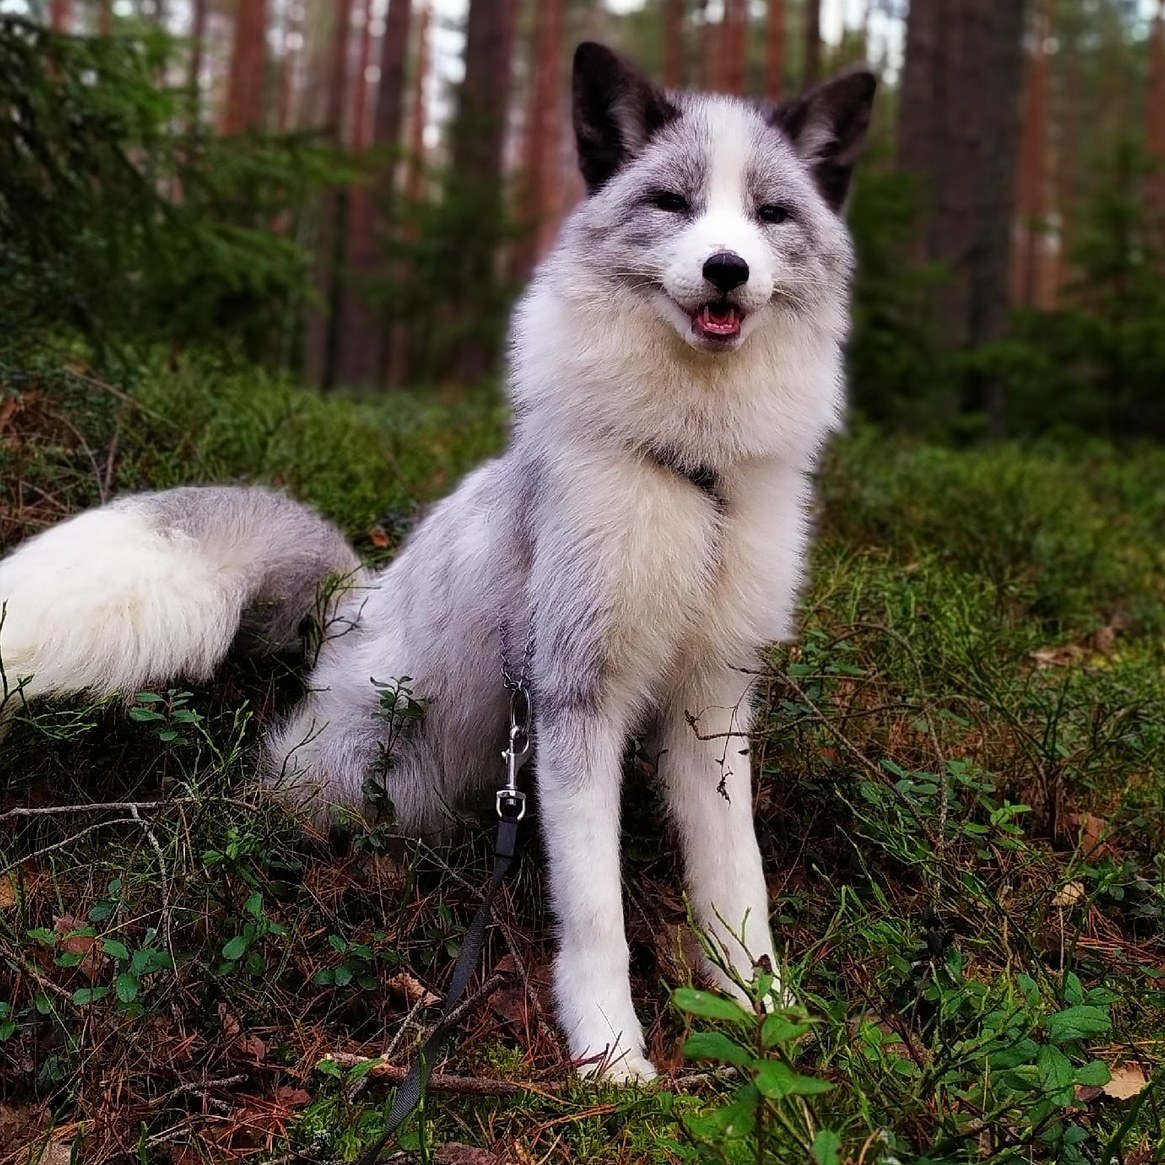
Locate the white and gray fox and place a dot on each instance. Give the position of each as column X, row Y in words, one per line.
column 675, row 370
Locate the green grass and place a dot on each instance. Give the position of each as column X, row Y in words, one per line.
column 961, row 800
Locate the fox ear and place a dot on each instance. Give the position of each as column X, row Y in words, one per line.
column 827, row 126
column 616, row 111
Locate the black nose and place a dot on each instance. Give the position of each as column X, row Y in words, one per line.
column 726, row 270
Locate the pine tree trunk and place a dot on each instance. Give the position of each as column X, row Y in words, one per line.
column 197, row 49
column 358, row 350
column 398, row 342
column 104, row 17
column 1031, row 273
column 734, row 46
column 473, row 195
column 244, row 109
column 541, row 136
column 775, row 59
column 60, row 15
column 813, row 42
column 322, row 332
column 1155, row 136
column 958, row 134
column 673, row 44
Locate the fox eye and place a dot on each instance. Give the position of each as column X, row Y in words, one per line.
column 670, row 201
column 774, row 212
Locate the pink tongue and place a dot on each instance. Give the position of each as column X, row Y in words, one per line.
column 724, row 322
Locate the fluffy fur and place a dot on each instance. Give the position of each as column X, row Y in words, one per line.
column 647, row 525
column 162, row 585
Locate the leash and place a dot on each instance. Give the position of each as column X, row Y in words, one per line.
column 511, row 808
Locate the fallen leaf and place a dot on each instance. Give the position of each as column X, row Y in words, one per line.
column 457, row 1154
column 1070, row 894
column 292, row 1097
column 8, row 894
column 1127, row 1080
column 413, row 990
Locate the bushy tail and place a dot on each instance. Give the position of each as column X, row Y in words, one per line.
column 158, row 586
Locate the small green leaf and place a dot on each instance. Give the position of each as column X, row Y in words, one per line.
column 1094, row 1074
column 827, row 1148
column 114, row 949
column 127, row 988
column 342, row 975
column 1077, row 1023
column 1056, row 1075
column 85, row 995
column 254, row 904
column 777, row 1029
column 236, row 948
column 716, row 1046
column 704, row 1003
column 777, row 1080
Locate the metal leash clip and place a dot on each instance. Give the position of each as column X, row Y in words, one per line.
column 511, row 801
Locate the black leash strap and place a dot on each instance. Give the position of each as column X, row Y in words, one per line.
column 511, row 806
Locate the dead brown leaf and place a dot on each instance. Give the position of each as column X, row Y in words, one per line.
column 292, row 1097
column 1127, row 1080
column 457, row 1154
column 1070, row 894
column 413, row 990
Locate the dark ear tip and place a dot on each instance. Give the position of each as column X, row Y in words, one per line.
column 861, row 78
column 590, row 53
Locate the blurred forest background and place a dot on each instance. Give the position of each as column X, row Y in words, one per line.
column 353, row 191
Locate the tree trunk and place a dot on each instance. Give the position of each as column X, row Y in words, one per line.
column 1155, row 136
column 358, row 350
column 322, row 332
column 734, row 46
column 197, row 49
column 104, row 17
column 473, row 196
column 60, row 15
column 813, row 42
column 1030, row 267
column 541, row 136
column 244, row 109
column 775, row 59
column 673, row 44
column 398, row 341
column 958, row 133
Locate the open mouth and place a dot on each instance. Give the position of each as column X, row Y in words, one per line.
column 717, row 321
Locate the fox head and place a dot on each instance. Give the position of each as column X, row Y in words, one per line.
column 721, row 211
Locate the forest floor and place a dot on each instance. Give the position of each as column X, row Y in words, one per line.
column 960, row 797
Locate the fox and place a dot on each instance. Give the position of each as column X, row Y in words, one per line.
column 675, row 370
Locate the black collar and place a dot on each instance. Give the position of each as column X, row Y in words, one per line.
column 703, row 477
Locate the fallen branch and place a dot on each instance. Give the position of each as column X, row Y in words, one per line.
column 443, row 1081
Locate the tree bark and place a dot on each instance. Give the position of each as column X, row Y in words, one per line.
column 1155, row 135
column 60, row 15
column 775, row 56
column 197, row 49
column 958, row 134
column 541, row 136
column 357, row 352
column 813, row 42
column 473, row 195
column 322, row 332
column 734, row 46
column 1030, row 283
column 673, row 44
column 244, row 109
column 398, row 332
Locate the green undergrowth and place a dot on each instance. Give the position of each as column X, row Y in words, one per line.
column 961, row 802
